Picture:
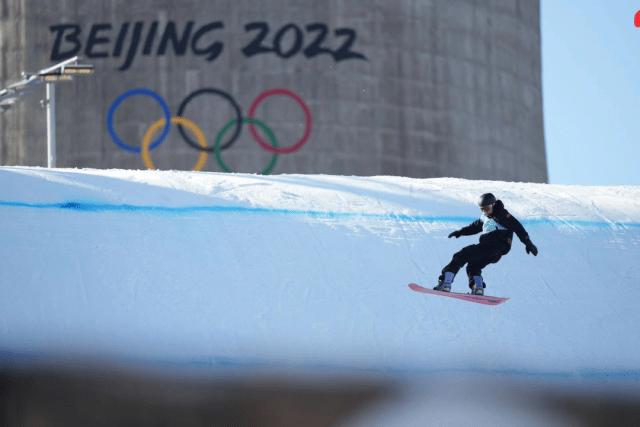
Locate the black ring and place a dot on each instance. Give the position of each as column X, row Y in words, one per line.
column 228, row 98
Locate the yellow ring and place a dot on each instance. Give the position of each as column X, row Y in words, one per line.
column 146, row 141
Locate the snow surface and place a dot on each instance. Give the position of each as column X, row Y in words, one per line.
column 311, row 270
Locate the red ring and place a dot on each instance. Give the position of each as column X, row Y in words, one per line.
column 307, row 113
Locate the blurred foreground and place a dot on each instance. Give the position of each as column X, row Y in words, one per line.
column 39, row 391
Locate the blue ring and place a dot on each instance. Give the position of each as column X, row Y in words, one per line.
column 118, row 101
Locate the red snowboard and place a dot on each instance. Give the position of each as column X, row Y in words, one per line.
column 480, row 299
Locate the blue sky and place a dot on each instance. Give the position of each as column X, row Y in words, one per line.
column 591, row 88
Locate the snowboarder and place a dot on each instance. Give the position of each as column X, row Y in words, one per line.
column 497, row 226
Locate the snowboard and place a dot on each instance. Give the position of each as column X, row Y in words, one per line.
column 480, row 299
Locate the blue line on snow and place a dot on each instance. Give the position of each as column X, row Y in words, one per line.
column 127, row 208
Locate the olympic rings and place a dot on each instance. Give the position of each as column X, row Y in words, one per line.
column 307, row 113
column 118, row 101
column 179, row 121
column 264, row 127
column 147, row 146
column 222, row 94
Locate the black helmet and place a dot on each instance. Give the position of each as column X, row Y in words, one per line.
column 486, row 199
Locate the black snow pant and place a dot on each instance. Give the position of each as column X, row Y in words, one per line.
column 476, row 257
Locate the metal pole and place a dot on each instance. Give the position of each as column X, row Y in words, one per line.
column 51, row 125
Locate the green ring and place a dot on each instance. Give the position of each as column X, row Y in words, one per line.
column 232, row 122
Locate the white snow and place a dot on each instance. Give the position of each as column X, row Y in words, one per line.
column 311, row 270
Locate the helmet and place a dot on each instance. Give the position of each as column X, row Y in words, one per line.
column 486, row 199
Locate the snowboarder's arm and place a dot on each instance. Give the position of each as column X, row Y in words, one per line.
column 474, row 228
column 514, row 225
column 471, row 229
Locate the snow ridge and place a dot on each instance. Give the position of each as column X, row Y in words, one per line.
column 309, row 270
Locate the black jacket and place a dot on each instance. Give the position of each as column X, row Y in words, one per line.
column 503, row 238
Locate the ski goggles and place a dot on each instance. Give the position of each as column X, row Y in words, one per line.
column 485, row 208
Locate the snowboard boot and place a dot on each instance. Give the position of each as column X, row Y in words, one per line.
column 444, row 283
column 478, row 287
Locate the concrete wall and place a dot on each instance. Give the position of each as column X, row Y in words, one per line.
column 446, row 87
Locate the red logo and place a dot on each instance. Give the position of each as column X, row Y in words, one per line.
column 637, row 19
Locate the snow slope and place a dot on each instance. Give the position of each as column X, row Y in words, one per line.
column 305, row 270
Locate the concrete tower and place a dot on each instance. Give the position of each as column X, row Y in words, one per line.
column 419, row 88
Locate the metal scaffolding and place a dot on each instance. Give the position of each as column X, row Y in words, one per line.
column 64, row 71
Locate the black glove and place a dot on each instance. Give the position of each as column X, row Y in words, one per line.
column 531, row 248
column 455, row 234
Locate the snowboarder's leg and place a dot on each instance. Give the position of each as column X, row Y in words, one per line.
column 460, row 258
column 478, row 287
column 458, row 261
column 467, row 254
column 444, row 282
column 449, row 272
column 474, row 268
